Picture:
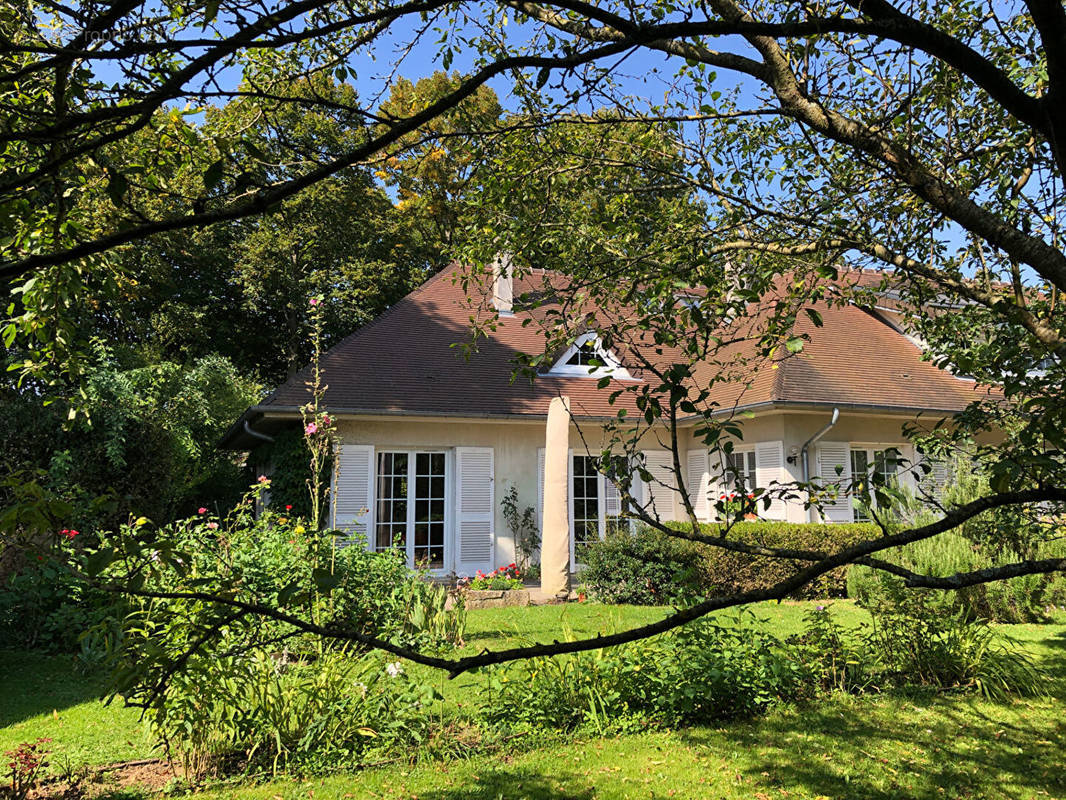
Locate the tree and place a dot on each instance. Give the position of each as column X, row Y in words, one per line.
column 928, row 140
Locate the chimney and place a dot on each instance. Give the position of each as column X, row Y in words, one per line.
column 502, row 285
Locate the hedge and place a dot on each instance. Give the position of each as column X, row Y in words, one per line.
column 653, row 568
column 726, row 572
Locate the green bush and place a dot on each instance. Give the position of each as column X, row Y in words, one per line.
column 1022, row 599
column 46, row 606
column 918, row 644
column 717, row 670
column 226, row 688
column 646, row 568
column 725, row 572
column 258, row 711
column 705, row 673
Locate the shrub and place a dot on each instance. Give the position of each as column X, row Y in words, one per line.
column 1022, row 599
column 716, row 670
column 645, row 568
column 258, row 711
column 725, row 572
column 48, row 607
column 917, row 643
column 701, row 674
column 226, row 689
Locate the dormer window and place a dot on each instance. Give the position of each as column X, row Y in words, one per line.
column 584, row 356
column 587, row 358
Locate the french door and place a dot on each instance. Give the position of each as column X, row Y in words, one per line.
column 595, row 505
column 411, row 506
column 866, row 461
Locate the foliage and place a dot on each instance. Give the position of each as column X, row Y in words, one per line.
column 262, row 710
column 1026, row 598
column 650, row 567
column 509, row 577
column 646, row 568
column 287, row 457
column 219, row 684
column 45, row 606
column 919, row 644
column 999, row 536
column 149, row 446
column 725, row 572
column 524, row 529
column 716, row 670
column 320, row 437
column 27, row 762
column 837, row 660
column 704, row 674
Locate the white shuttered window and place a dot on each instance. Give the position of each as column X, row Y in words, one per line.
column 475, row 507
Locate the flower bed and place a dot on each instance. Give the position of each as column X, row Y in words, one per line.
column 501, row 587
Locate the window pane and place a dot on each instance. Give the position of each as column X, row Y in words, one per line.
column 390, row 527
column 585, row 487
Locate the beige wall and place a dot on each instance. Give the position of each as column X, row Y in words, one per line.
column 793, row 428
column 515, row 444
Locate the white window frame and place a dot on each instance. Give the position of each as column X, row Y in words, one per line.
column 602, row 518
column 751, row 464
column 612, row 367
column 871, row 449
column 409, row 534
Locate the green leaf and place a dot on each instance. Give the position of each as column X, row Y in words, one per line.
column 97, row 562
column 214, row 174
column 117, row 186
column 325, row 580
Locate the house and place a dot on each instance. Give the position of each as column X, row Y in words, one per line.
column 431, row 441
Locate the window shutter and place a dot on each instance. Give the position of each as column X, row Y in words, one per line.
column 697, row 481
column 540, row 490
column 831, row 456
column 353, row 491
column 934, row 481
column 612, row 498
column 769, row 469
column 475, row 508
column 659, row 494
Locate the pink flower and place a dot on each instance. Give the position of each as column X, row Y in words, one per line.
column 326, row 421
column 212, row 526
column 263, row 479
column 201, row 510
column 70, row 533
column 314, row 301
column 310, row 429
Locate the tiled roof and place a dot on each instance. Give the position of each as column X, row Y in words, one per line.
column 408, row 361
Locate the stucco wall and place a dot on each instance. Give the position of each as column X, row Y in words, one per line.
column 515, row 445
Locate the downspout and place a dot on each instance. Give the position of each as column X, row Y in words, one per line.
column 806, row 447
column 256, row 434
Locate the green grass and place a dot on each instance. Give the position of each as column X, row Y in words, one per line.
column 43, row 696
column 922, row 745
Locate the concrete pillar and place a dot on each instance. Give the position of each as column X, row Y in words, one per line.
column 555, row 537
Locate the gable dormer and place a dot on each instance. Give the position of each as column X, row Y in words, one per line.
column 588, row 358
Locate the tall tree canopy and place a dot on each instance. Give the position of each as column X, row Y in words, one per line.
column 924, row 138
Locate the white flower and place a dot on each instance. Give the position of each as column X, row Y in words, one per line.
column 394, row 669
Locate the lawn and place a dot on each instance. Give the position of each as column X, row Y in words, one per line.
column 920, row 745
